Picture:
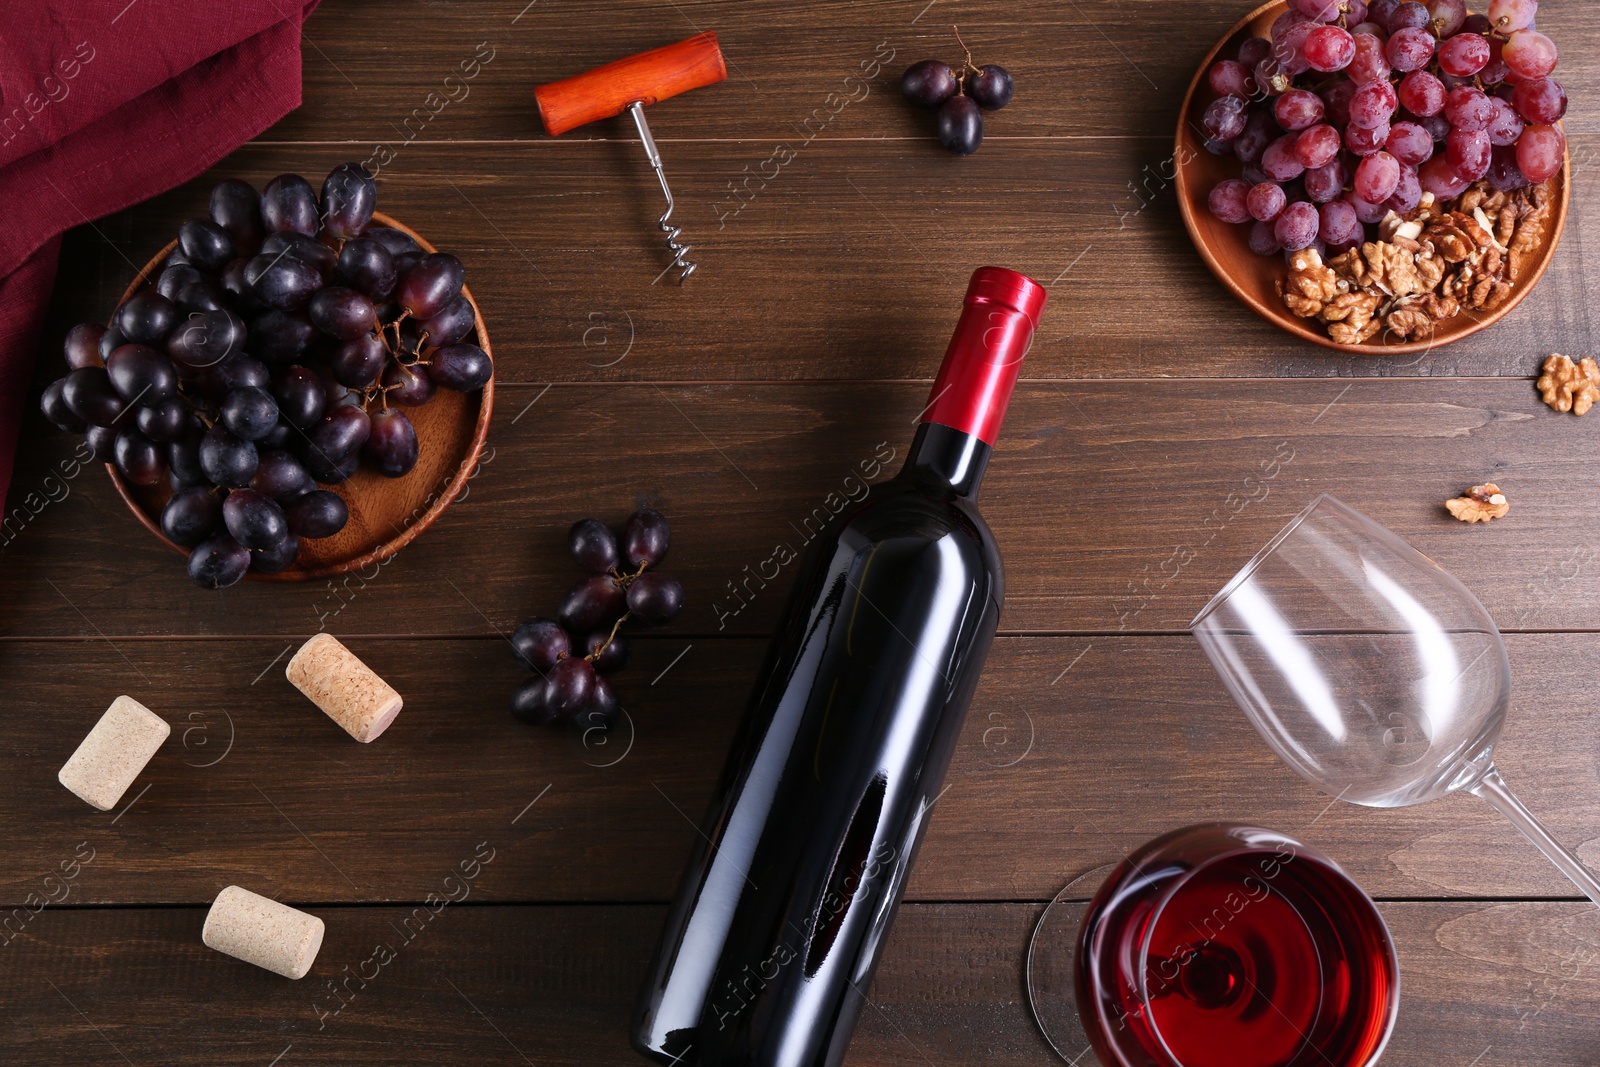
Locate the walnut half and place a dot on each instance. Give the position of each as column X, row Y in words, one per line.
column 1568, row 386
column 1480, row 504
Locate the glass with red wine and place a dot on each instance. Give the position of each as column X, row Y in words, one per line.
column 1233, row 946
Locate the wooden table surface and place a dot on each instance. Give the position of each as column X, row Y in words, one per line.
column 803, row 348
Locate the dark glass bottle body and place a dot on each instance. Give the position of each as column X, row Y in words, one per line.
column 786, row 902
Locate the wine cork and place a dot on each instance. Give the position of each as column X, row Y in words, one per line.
column 259, row 930
column 340, row 684
column 114, row 752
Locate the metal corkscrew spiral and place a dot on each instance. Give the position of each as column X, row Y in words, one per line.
column 679, row 250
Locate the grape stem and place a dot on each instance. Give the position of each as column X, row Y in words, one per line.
column 961, row 79
column 612, row 636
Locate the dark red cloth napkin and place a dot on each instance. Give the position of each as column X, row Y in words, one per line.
column 104, row 103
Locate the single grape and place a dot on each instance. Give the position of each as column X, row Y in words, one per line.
column 277, row 559
column 571, row 684
column 452, row 323
column 226, row 460
column 308, row 250
column 207, row 338
column 82, row 345
column 1326, row 182
column 396, row 241
column 408, row 386
column 208, row 245
column 1370, row 64
column 592, row 603
column 203, row 295
column 1438, row 127
column 1252, row 50
column 1540, row 101
column 991, row 88
column 319, row 513
column 1504, row 174
column 280, row 337
column 235, row 372
column 463, row 368
column 1495, row 72
column 960, row 125
column 89, row 394
column 1264, row 239
column 1317, row 146
column 174, row 277
column 1260, row 129
column 349, row 196
column 233, row 283
column 102, row 442
column 1506, row 126
column 218, row 562
column 1437, row 178
column 1409, row 15
column 1408, row 194
column 1228, row 200
column 147, row 317
column 1336, row 99
column 391, row 446
column 325, row 471
column 1298, row 109
column 530, row 704
column 1529, row 54
column 1270, row 79
column 289, row 203
column 1279, row 161
column 1368, row 29
column 1266, row 201
column 1368, row 213
column 140, row 459
column 1540, row 152
column 1468, row 153
column 645, row 538
column 928, row 83
column 366, row 266
column 359, row 362
column 1446, row 16
column 1329, row 48
column 615, row 654
column 1410, row 49
column 254, row 519
column 141, row 375
column 1379, row 11
column 236, row 207
column 1509, row 16
column 1373, row 104
column 435, row 281
column 1422, row 93
column 656, row 599
column 340, row 433
column 342, row 313
column 1377, row 177
column 603, row 714
column 1229, row 77
column 183, row 458
column 302, row 399
column 593, row 546
column 280, row 476
column 110, row 341
column 1464, row 55
column 54, row 406
column 539, row 643
column 164, row 422
column 192, row 515
column 1316, row 10
column 1409, row 143
column 1363, row 142
column 1338, row 223
column 281, row 280
column 249, row 413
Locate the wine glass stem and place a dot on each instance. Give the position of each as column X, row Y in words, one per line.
column 1494, row 790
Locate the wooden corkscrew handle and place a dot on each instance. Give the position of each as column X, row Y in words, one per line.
column 647, row 77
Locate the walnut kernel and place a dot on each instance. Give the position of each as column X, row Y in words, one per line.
column 1481, row 503
column 1567, row 386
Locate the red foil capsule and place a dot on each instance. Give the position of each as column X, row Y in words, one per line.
column 980, row 368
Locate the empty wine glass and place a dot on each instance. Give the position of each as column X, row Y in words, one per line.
column 1369, row 669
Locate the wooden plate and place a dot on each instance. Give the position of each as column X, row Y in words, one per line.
column 1252, row 278
column 386, row 514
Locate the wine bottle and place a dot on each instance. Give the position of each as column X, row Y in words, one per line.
column 783, row 909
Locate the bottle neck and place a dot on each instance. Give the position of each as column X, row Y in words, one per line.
column 945, row 457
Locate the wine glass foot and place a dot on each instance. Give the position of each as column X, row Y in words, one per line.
column 1049, row 974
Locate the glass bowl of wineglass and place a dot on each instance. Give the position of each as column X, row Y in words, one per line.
column 1233, row 946
column 1369, row 669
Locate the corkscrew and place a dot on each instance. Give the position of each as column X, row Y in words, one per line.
column 630, row 84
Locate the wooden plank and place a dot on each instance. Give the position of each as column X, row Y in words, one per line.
column 1118, row 506
column 1513, row 984
column 1075, row 752
column 849, row 262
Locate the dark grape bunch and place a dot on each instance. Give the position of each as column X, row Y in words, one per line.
column 1353, row 110
column 272, row 356
column 571, row 654
column 961, row 96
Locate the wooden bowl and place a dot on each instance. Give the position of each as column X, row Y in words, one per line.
column 1225, row 245
column 386, row 514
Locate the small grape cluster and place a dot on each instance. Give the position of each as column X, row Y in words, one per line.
column 1353, row 110
column 959, row 96
column 247, row 375
column 569, row 685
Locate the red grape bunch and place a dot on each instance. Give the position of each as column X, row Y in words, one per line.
column 960, row 95
column 571, row 654
column 272, row 356
column 1352, row 110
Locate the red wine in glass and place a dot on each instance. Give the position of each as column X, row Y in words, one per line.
column 1233, row 946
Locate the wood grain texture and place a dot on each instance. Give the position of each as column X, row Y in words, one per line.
column 1118, row 506
column 1515, row 985
column 1076, row 751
